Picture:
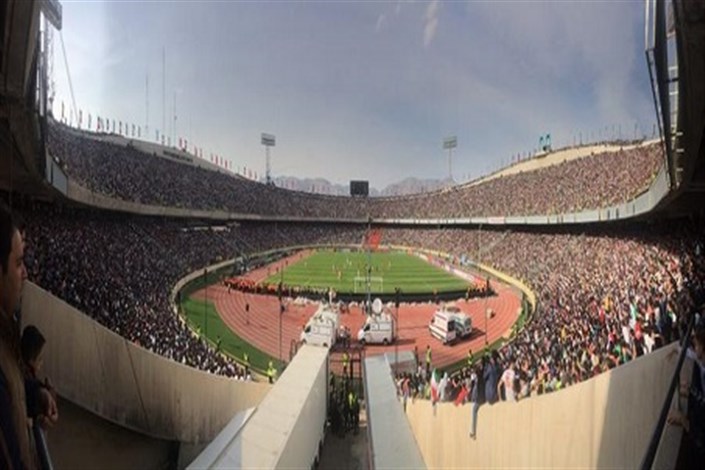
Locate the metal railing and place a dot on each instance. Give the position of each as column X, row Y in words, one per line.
column 42, row 449
column 648, row 461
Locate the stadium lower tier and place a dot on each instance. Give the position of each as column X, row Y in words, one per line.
column 605, row 294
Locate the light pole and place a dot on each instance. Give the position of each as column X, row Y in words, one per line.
column 268, row 140
column 368, row 307
column 281, row 311
column 449, row 143
column 396, row 330
column 205, row 304
column 487, row 292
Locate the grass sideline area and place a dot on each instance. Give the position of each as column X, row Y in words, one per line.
column 230, row 343
column 339, row 268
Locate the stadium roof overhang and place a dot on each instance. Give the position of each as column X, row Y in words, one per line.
column 690, row 31
column 20, row 146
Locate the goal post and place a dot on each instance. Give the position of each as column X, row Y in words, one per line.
column 360, row 284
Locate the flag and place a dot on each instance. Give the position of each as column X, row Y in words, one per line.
column 461, row 395
column 435, row 382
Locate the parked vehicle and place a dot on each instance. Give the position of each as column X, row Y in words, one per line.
column 378, row 329
column 322, row 328
column 443, row 326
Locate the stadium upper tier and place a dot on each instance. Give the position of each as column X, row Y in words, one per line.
column 605, row 295
column 126, row 173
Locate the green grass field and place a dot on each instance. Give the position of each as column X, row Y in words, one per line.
column 326, row 268
column 230, row 343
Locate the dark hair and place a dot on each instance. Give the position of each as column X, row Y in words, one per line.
column 7, row 230
column 32, row 343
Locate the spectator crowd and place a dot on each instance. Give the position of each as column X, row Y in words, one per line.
column 126, row 173
column 605, row 297
column 120, row 270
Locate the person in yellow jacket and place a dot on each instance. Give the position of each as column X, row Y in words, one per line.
column 346, row 360
column 271, row 372
column 246, row 363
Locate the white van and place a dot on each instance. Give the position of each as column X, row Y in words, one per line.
column 322, row 328
column 463, row 325
column 378, row 329
column 327, row 312
column 319, row 332
column 442, row 326
column 462, row 321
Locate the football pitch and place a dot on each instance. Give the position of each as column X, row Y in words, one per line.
column 344, row 271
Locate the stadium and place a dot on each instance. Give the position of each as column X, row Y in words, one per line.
column 184, row 314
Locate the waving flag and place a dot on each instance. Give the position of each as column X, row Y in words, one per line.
column 461, row 396
column 435, row 389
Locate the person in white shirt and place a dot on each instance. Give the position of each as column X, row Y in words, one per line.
column 507, row 380
column 649, row 340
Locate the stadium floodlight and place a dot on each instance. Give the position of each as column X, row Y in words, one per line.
column 268, row 140
column 449, row 143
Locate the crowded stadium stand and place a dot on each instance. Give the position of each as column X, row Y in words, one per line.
column 122, row 171
column 593, row 367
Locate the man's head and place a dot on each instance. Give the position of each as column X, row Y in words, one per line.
column 12, row 269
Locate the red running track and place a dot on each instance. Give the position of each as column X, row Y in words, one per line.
column 261, row 327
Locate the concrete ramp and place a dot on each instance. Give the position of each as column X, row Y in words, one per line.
column 286, row 430
column 392, row 443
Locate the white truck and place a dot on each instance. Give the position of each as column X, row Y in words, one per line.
column 322, row 328
column 449, row 324
column 378, row 329
column 462, row 321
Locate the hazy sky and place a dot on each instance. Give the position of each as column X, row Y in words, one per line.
column 361, row 90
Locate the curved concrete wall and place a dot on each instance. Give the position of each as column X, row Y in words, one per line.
column 81, row 194
column 128, row 385
column 82, row 440
column 605, row 422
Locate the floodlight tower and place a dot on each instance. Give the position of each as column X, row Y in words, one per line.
column 449, row 143
column 268, row 140
column 53, row 19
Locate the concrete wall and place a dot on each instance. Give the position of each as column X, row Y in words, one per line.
column 604, row 422
column 79, row 193
column 128, row 385
column 83, row 440
column 285, row 430
column 84, row 195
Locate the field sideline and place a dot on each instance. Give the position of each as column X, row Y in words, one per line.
column 338, row 269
